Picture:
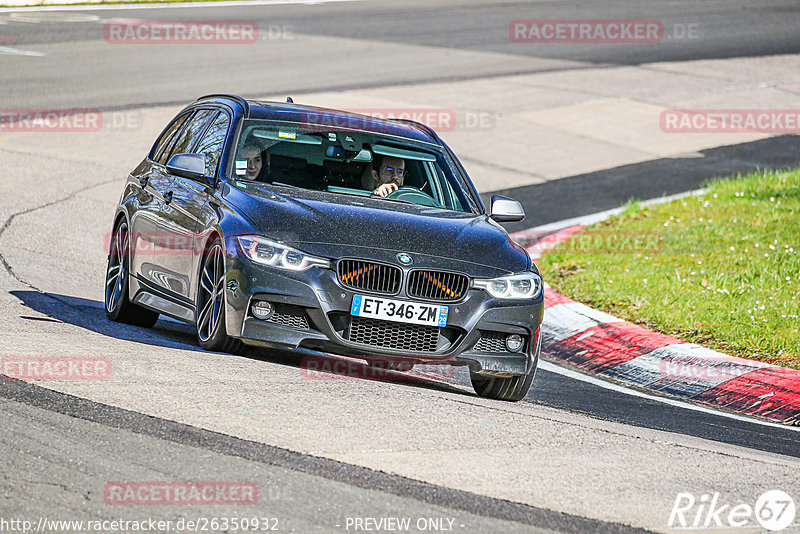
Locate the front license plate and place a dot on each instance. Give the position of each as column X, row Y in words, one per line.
column 399, row 310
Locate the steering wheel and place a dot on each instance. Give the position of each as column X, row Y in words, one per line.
column 415, row 195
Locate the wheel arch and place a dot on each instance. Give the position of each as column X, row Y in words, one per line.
column 121, row 215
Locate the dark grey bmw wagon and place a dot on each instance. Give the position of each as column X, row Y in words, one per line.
column 289, row 226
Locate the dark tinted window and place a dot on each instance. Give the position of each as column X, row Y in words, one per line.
column 189, row 135
column 168, row 135
column 211, row 144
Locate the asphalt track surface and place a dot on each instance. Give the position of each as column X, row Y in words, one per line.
column 112, row 77
column 39, row 416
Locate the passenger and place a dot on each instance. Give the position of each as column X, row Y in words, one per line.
column 254, row 156
column 387, row 178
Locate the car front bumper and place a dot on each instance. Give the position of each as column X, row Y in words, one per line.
column 312, row 311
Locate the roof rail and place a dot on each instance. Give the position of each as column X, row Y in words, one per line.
column 241, row 101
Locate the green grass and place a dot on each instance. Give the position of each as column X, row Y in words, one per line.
column 720, row 269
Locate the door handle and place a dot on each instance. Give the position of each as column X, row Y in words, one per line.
column 168, row 197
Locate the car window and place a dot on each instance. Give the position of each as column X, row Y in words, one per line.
column 448, row 194
column 189, row 134
column 211, row 144
column 164, row 153
column 167, row 136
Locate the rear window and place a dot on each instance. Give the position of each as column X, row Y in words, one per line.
column 211, row 144
column 167, row 136
column 190, row 134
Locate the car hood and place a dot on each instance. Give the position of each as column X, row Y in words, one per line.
column 336, row 225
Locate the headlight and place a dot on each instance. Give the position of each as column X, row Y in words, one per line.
column 512, row 286
column 266, row 252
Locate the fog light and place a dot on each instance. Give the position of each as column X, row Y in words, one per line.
column 262, row 309
column 514, row 343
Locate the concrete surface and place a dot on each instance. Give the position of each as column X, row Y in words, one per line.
column 59, row 191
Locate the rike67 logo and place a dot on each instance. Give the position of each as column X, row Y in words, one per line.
column 774, row 510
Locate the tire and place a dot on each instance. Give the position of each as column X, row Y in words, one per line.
column 210, row 324
column 119, row 308
column 506, row 388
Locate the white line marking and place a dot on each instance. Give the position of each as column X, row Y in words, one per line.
column 584, row 336
column 8, row 51
column 553, row 368
column 117, row 7
column 34, row 18
column 565, row 320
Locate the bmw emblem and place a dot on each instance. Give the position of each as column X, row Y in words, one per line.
column 405, row 259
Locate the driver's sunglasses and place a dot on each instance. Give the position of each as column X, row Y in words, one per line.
column 390, row 170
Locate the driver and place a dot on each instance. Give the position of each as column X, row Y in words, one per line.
column 386, row 176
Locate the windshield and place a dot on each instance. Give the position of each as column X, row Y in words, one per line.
column 351, row 162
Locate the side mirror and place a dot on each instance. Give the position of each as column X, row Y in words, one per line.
column 506, row 209
column 192, row 166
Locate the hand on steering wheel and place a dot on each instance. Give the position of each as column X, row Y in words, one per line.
column 386, row 189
